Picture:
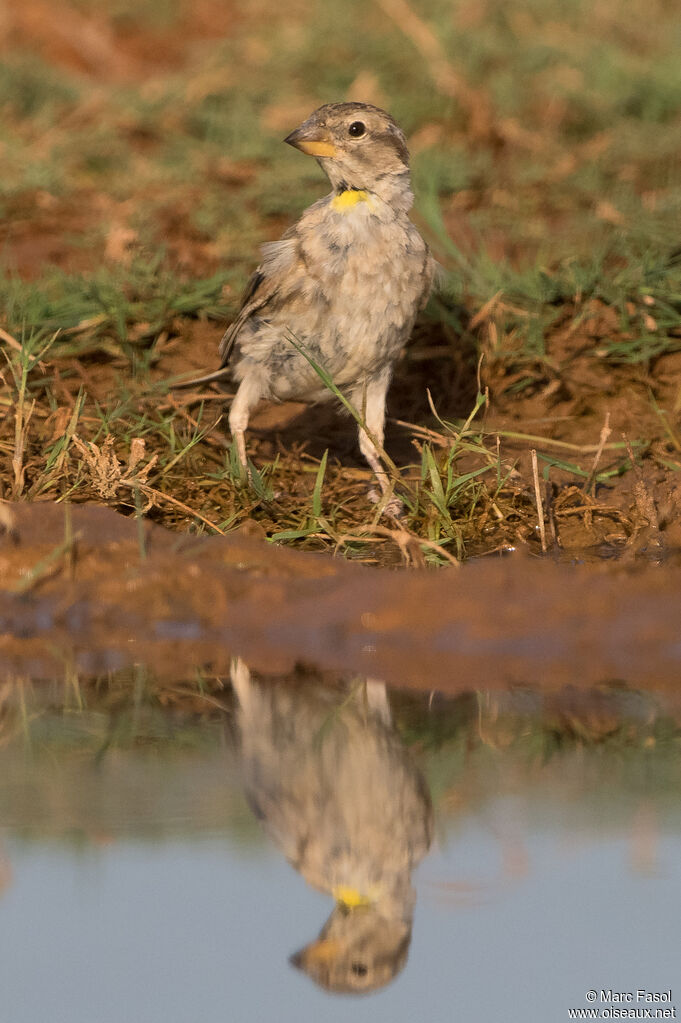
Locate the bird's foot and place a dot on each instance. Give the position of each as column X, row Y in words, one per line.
column 394, row 508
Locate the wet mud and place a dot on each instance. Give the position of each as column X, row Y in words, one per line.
column 86, row 587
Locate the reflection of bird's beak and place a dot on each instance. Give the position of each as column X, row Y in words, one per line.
column 325, row 950
column 311, row 139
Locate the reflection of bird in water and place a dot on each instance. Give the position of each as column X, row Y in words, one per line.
column 336, row 790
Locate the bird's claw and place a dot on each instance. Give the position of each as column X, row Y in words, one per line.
column 394, row 508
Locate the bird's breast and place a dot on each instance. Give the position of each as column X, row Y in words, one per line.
column 369, row 267
column 358, row 270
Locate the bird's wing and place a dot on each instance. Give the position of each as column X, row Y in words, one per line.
column 276, row 278
column 432, row 275
column 253, row 298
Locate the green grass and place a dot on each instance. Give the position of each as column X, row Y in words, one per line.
column 124, row 307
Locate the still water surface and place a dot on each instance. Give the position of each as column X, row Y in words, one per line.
column 137, row 883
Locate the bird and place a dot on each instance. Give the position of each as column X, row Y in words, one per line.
column 327, row 774
column 341, row 290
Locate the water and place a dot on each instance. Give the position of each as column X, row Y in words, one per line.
column 138, row 885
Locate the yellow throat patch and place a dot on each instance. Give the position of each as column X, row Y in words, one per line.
column 350, row 897
column 345, row 201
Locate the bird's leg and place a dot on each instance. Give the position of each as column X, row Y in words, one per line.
column 373, row 397
column 240, row 678
column 377, row 700
column 247, row 396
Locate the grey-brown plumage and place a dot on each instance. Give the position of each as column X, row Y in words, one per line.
column 337, row 792
column 345, row 283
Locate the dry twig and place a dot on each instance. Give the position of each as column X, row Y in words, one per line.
column 538, row 499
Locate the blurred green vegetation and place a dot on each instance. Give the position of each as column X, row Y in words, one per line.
column 554, row 126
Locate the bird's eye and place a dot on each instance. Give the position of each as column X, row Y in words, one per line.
column 359, row 969
column 356, row 129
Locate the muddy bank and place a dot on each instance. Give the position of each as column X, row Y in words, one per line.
column 93, row 589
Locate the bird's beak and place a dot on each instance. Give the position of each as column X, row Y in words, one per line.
column 312, row 139
column 324, row 950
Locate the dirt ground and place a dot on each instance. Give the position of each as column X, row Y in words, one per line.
column 636, row 511
column 97, row 591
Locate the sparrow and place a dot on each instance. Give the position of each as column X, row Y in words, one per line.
column 325, row 771
column 340, row 291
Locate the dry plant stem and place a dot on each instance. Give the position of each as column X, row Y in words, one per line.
column 427, row 44
column 106, row 474
column 551, row 515
column 21, row 421
column 602, row 509
column 70, row 431
column 406, row 541
column 448, row 81
column 605, row 433
column 442, row 441
column 193, row 399
column 485, row 312
column 538, row 499
column 643, row 496
column 11, row 341
column 158, row 495
column 88, row 324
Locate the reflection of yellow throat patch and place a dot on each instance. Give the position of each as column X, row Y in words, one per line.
column 344, row 201
column 350, row 897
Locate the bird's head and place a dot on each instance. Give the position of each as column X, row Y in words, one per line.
column 359, row 950
column 359, row 146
